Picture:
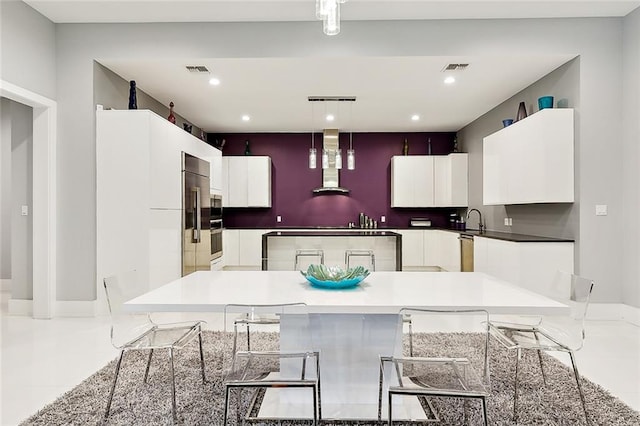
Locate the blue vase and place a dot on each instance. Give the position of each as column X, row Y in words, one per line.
column 545, row 102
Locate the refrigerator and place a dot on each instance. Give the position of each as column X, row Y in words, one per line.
column 196, row 211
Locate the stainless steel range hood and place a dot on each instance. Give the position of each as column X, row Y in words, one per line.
column 330, row 175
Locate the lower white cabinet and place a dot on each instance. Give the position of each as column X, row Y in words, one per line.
column 531, row 265
column 430, row 249
column 242, row 248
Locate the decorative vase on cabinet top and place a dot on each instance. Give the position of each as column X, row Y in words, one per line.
column 522, row 112
column 133, row 102
column 171, row 117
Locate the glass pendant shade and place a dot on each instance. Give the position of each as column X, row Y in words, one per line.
column 312, row 158
column 331, row 22
column 351, row 159
column 325, row 159
column 338, row 159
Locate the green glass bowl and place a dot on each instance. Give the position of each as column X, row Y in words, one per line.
column 334, row 277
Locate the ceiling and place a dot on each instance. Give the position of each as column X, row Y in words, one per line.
column 274, row 91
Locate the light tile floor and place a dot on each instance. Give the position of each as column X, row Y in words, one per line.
column 41, row 359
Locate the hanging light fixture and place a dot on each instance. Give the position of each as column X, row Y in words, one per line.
column 312, row 150
column 329, row 12
column 351, row 154
column 325, row 159
column 338, row 158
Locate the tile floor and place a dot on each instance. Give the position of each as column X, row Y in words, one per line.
column 41, row 359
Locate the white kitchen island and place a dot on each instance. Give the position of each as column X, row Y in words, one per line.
column 352, row 327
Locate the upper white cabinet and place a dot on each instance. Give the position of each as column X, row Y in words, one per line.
column 530, row 161
column 246, row 181
column 429, row 181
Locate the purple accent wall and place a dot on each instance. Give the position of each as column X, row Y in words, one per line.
column 369, row 184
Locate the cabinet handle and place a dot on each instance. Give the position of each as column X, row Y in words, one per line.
column 195, row 204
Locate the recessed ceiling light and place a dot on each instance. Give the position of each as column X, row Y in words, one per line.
column 246, row 118
column 415, row 117
column 330, row 117
column 449, row 80
column 214, row 81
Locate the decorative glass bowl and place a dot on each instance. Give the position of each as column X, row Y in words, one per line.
column 334, row 277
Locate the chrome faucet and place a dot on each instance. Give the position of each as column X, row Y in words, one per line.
column 480, row 223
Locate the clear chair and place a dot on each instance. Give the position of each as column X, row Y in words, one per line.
column 312, row 256
column 456, row 368
column 369, row 255
column 138, row 332
column 266, row 366
column 562, row 334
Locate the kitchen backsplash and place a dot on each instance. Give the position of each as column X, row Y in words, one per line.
column 369, row 184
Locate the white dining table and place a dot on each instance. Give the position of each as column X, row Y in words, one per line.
column 351, row 327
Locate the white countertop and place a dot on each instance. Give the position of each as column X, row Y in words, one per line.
column 380, row 292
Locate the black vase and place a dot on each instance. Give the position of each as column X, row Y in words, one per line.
column 133, row 102
column 522, row 112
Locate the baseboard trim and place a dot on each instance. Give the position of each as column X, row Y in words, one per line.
column 62, row 308
column 75, row 308
column 614, row 311
column 22, row 307
column 5, row 285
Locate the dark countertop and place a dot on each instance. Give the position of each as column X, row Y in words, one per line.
column 333, row 232
column 338, row 231
column 516, row 238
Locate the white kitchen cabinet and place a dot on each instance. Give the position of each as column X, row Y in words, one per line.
column 451, row 181
column 216, row 172
column 230, row 248
column 429, row 181
column 139, row 194
column 442, row 250
column 242, row 249
column 412, row 248
column 412, row 181
column 531, row 265
column 531, row 161
column 246, row 181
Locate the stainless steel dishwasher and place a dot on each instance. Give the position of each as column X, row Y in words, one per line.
column 466, row 252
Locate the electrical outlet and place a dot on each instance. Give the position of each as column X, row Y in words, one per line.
column 383, row 219
column 506, row 221
column 25, row 210
column 510, row 221
column 278, row 219
column 601, row 209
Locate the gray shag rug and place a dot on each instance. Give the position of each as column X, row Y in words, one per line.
column 135, row 403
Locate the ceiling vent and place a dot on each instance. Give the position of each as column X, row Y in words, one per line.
column 455, row 67
column 197, row 68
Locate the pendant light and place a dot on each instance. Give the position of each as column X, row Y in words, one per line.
column 351, row 154
column 312, row 150
column 338, row 159
column 325, row 159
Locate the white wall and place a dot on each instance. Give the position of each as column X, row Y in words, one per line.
column 27, row 46
column 631, row 158
column 597, row 41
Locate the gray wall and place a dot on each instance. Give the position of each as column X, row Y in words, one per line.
column 27, row 43
column 599, row 159
column 112, row 91
column 17, row 125
column 631, row 158
column 5, row 189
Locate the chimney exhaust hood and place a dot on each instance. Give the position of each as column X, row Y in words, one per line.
column 330, row 175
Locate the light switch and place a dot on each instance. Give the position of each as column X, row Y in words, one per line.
column 278, row 219
column 383, row 219
column 25, row 210
column 601, row 209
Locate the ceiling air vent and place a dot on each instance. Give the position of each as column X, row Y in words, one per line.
column 455, row 67
column 197, row 68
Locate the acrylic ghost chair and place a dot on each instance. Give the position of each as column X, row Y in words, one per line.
column 459, row 370
column 264, row 366
column 138, row 332
column 559, row 334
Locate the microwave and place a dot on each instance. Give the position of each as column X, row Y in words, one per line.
column 216, row 207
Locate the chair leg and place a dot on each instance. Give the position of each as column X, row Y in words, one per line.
column 146, row 372
column 227, row 391
column 544, row 376
column 173, row 385
column 390, row 421
column 380, row 378
column 319, row 390
column 575, row 372
column 248, row 339
column 113, row 387
column 515, row 387
column 410, row 337
column 484, row 411
column 204, row 379
column 315, row 405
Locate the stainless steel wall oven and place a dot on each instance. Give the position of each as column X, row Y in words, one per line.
column 216, row 226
